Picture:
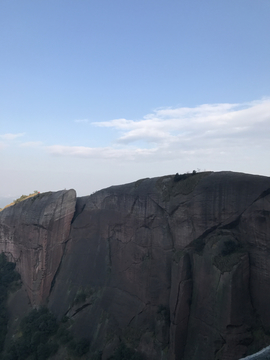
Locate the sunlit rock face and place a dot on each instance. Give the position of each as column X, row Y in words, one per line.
column 33, row 234
column 176, row 270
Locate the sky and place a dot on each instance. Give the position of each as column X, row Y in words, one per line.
column 95, row 93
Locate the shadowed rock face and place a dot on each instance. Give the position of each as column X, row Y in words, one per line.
column 176, row 270
column 33, row 234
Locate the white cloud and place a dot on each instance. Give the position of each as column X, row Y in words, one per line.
column 31, row 144
column 173, row 133
column 98, row 153
column 81, row 120
column 11, row 136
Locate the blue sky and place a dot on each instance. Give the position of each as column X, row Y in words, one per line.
column 96, row 93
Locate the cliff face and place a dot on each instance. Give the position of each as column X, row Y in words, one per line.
column 176, row 270
column 33, row 234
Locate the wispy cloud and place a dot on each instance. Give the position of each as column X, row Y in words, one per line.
column 10, row 136
column 32, row 144
column 217, row 120
column 99, row 153
column 81, row 120
column 170, row 133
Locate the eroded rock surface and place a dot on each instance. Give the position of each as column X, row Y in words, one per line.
column 176, row 270
column 33, row 234
column 152, row 261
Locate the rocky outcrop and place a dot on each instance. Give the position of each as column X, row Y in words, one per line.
column 177, row 270
column 33, row 234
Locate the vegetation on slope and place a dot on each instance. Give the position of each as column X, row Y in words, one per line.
column 125, row 353
column 9, row 278
column 40, row 336
column 179, row 177
column 21, row 198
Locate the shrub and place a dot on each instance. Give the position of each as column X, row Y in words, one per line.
column 180, row 177
column 79, row 348
column 8, row 276
column 37, row 327
column 63, row 335
column 46, row 350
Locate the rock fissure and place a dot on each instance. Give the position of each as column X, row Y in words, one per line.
column 183, row 320
column 205, row 323
column 135, row 316
column 58, row 269
column 37, row 225
column 178, row 296
column 133, row 204
column 80, row 309
column 178, row 206
column 159, row 206
column 218, row 282
column 130, row 294
column 77, row 213
column 263, row 194
column 234, row 223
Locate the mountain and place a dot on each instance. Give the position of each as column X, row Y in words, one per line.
column 175, row 267
column 5, row 201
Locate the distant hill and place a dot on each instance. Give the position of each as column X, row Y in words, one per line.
column 9, row 201
column 5, row 201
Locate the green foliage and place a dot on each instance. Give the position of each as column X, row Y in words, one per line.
column 37, row 328
column 23, row 197
column 41, row 337
column 40, row 334
column 46, row 350
column 8, row 276
column 39, row 321
column 80, row 347
column 63, row 335
column 179, row 177
column 125, row 353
